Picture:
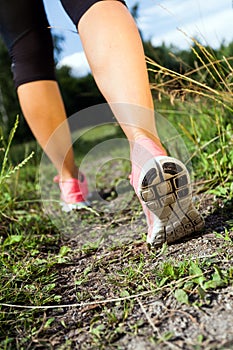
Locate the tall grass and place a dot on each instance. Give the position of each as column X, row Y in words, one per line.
column 8, row 170
column 25, row 275
column 204, row 95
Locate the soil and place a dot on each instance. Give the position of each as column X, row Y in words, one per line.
column 144, row 320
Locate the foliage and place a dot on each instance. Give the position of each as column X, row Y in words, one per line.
column 9, row 106
column 202, row 102
column 78, row 93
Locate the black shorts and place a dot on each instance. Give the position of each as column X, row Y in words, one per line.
column 25, row 30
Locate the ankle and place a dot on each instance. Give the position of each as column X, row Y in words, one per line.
column 68, row 173
column 144, row 143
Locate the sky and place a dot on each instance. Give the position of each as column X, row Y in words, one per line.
column 169, row 21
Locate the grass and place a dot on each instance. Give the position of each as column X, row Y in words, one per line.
column 90, row 281
column 202, row 113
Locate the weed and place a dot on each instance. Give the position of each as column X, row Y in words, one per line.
column 206, row 111
column 7, row 172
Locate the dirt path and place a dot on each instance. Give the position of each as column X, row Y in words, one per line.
column 178, row 297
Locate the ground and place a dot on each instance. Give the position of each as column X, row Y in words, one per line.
column 127, row 296
column 88, row 280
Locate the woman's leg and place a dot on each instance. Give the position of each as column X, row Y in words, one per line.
column 44, row 111
column 24, row 28
column 115, row 53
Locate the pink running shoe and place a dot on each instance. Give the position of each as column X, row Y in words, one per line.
column 163, row 186
column 73, row 192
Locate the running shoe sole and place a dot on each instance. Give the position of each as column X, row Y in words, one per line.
column 67, row 207
column 166, row 190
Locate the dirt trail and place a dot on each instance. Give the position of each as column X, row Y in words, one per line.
column 148, row 318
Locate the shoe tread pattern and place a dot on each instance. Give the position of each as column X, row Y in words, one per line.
column 167, row 192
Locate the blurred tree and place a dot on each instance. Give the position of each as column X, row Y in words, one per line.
column 9, row 106
column 134, row 11
column 58, row 41
column 78, row 93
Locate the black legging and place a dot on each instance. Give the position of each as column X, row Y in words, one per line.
column 25, row 29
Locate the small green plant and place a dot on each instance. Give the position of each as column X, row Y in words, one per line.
column 7, row 170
